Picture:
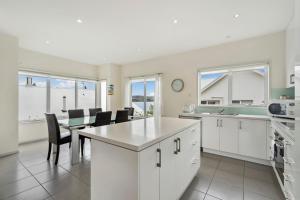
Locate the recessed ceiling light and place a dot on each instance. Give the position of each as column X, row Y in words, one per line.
column 47, row 42
column 236, row 16
column 79, row 21
column 175, row 21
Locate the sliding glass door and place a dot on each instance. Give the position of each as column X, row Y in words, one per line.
column 143, row 96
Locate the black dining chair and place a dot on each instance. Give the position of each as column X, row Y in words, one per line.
column 78, row 113
column 55, row 136
column 103, row 118
column 121, row 116
column 130, row 111
column 93, row 111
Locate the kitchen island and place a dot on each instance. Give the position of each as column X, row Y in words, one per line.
column 147, row 159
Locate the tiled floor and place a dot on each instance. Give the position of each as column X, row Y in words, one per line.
column 27, row 175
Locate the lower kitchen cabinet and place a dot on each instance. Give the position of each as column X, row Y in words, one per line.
column 166, row 169
column 244, row 137
column 253, row 138
column 210, row 133
column 229, row 140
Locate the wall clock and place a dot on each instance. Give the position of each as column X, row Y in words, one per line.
column 177, row 85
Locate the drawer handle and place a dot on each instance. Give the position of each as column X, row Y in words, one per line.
column 176, row 146
column 288, row 160
column 194, row 143
column 159, row 158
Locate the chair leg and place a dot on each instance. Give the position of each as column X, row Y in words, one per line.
column 82, row 146
column 49, row 150
column 57, row 154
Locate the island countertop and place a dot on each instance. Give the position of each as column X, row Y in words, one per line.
column 138, row 134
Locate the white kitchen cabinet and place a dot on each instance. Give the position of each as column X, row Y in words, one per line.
column 253, row 138
column 149, row 173
column 210, row 133
column 168, row 171
column 229, row 141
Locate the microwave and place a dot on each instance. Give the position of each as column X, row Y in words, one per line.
column 284, row 109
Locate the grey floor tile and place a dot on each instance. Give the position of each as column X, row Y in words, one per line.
column 201, row 183
column 225, row 190
column 270, row 190
column 51, row 174
column 233, row 178
column 193, row 195
column 265, row 174
column 232, row 165
column 253, row 196
column 12, row 176
column 37, row 193
column 65, row 184
column 209, row 197
column 17, row 187
column 36, row 169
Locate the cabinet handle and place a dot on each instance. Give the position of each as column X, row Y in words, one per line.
column 159, row 158
column 176, row 146
column 217, row 122
column 179, row 144
column 221, row 120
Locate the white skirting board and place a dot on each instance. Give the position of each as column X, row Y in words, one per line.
column 240, row 157
column 8, row 154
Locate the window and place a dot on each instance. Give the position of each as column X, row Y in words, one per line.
column 234, row 86
column 143, row 95
column 41, row 93
column 103, row 95
column 86, row 95
column 32, row 97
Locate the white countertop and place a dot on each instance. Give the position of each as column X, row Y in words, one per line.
column 138, row 134
column 239, row 116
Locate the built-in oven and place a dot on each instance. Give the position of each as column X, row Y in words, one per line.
column 278, row 156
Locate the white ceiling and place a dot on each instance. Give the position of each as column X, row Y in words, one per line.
column 122, row 31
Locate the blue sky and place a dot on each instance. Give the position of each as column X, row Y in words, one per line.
column 138, row 88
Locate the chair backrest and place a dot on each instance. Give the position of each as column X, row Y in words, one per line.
column 121, row 116
column 103, row 118
column 78, row 113
column 53, row 128
column 130, row 110
column 93, row 111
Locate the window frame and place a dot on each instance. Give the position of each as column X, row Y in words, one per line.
column 48, row 89
column 229, row 70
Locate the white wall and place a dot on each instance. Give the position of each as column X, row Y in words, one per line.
column 293, row 43
column 112, row 73
column 40, row 62
column 9, row 94
column 270, row 48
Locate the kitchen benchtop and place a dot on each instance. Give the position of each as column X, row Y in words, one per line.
column 239, row 116
column 138, row 134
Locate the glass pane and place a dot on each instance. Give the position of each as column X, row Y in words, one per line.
column 86, row 95
column 150, row 89
column 248, row 87
column 62, row 97
column 32, row 97
column 213, row 88
column 103, row 89
column 137, row 97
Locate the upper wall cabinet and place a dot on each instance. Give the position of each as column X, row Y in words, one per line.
column 292, row 43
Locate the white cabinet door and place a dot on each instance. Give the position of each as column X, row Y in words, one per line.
column 148, row 173
column 168, row 171
column 253, row 138
column 229, row 140
column 210, row 133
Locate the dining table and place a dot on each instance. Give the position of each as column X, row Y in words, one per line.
column 74, row 124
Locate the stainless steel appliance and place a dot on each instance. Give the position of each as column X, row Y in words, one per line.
column 282, row 108
column 279, row 155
